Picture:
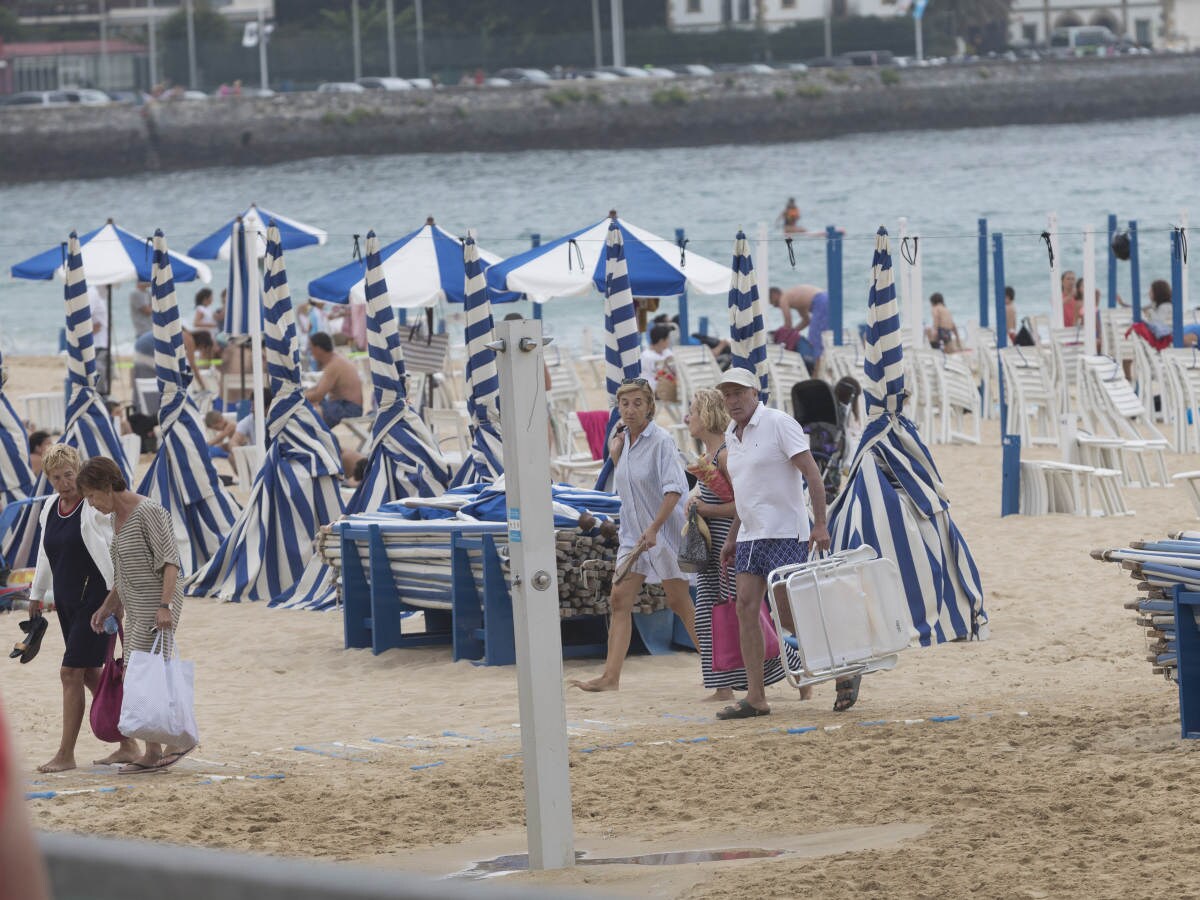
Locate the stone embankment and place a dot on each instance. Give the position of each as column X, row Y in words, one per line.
column 728, row 108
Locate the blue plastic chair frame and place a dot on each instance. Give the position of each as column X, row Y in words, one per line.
column 483, row 616
column 1187, row 641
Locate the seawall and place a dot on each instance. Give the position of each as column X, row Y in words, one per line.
column 85, row 142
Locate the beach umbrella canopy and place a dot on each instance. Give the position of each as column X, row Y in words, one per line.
column 422, row 268
column 110, row 255
column 403, row 460
column 181, row 477
column 622, row 348
column 486, row 459
column 894, row 499
column 296, row 490
column 747, row 333
column 16, row 477
column 577, row 263
column 292, row 235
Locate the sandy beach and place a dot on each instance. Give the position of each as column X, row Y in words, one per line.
column 1056, row 769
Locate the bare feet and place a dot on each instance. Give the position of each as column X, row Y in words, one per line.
column 806, row 692
column 125, row 753
column 596, row 685
column 60, row 763
column 720, row 695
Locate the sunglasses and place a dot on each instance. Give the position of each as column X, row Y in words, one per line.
column 642, row 382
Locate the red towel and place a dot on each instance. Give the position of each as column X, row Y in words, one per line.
column 1142, row 330
column 595, row 426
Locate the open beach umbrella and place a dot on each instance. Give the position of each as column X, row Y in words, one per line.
column 296, row 491
column 403, row 460
column 292, row 235
column 577, row 263
column 486, row 459
column 181, row 476
column 16, row 478
column 422, row 268
column 622, row 347
column 89, row 427
column 747, row 333
column 894, row 499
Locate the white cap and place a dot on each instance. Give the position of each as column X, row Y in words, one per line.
column 739, row 376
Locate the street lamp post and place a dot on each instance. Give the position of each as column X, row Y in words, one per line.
column 597, row 40
column 152, row 35
column 618, row 32
column 193, row 81
column 419, row 9
column 391, row 36
column 264, row 79
column 357, row 39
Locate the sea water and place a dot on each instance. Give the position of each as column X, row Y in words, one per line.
column 942, row 181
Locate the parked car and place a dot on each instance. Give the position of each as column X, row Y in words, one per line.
column 869, row 57
column 694, row 69
column 626, row 71
column 1082, row 40
column 372, row 83
column 524, row 76
column 659, row 72
column 258, row 92
column 88, row 96
column 791, row 67
column 496, row 81
column 70, row 97
column 829, row 62
column 755, row 69
column 598, row 75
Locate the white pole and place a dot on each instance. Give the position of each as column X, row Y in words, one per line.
column 904, row 284
column 419, row 9
column 536, row 627
column 1185, row 300
column 762, row 264
column 255, row 305
column 264, row 79
column 597, row 39
column 152, row 35
column 618, row 32
column 1056, row 297
column 103, row 75
column 828, row 28
column 918, row 293
column 391, row 30
column 356, row 42
column 1089, row 291
column 193, row 81
column 920, row 38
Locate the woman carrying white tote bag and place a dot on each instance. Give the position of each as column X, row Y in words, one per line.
column 157, row 705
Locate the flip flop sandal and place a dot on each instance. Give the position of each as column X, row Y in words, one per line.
column 847, row 696
column 742, row 710
column 136, row 768
column 35, row 630
column 171, row 758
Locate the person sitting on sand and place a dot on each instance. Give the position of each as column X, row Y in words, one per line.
column 943, row 333
column 39, row 443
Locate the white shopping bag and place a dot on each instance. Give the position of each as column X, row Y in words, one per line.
column 157, row 701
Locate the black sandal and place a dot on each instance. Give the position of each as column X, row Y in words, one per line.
column 742, row 710
column 35, row 630
column 847, row 693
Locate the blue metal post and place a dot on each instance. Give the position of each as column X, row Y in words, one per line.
column 702, row 328
column 684, row 330
column 833, row 278
column 983, row 273
column 535, row 240
column 1135, row 270
column 1112, row 263
column 1010, row 490
column 1176, row 287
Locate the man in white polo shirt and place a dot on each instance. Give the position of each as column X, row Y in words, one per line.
column 767, row 456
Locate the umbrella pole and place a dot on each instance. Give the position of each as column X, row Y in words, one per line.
column 256, row 361
column 108, row 385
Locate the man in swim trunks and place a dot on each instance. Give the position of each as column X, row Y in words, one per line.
column 810, row 305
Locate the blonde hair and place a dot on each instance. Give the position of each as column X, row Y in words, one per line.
column 634, row 387
column 710, row 410
column 60, row 456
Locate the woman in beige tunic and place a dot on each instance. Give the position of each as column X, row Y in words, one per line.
column 146, row 577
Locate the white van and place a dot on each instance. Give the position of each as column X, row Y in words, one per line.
column 1081, row 40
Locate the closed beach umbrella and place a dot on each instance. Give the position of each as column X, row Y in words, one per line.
column 747, row 333
column 244, row 315
column 486, row 459
column 16, row 478
column 403, row 460
column 181, row 476
column 423, row 268
column 622, row 348
column 894, row 499
column 296, row 491
column 292, row 235
column 577, row 263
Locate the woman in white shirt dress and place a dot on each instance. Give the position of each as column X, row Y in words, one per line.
column 650, row 481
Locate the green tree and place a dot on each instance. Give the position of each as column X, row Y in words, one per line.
column 10, row 25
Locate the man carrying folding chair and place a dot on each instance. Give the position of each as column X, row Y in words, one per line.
column 768, row 461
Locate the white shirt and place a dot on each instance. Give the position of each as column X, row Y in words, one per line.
column 99, row 317
column 97, row 532
column 768, row 489
column 651, row 363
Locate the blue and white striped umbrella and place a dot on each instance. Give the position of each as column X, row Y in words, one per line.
column 89, row 427
column 244, row 298
column 893, row 498
column 747, row 333
column 622, row 347
column 296, row 491
column 486, row 459
column 181, row 476
column 293, row 235
column 403, row 460
column 16, row 478
column 110, row 255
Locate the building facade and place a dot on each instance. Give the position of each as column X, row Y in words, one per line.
column 133, row 13
column 771, row 15
column 50, row 66
column 1142, row 21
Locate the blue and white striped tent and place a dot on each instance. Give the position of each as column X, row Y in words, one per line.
column 485, row 462
column 577, row 263
column 893, row 498
column 422, row 268
column 622, row 347
column 89, row 427
column 747, row 333
column 181, row 476
column 109, row 255
column 16, row 478
column 404, row 459
column 292, row 234
column 296, row 491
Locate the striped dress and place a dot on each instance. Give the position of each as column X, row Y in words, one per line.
column 144, row 545
column 712, row 588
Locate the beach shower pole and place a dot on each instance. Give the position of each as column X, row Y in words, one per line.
column 1177, row 287
column 535, row 240
column 833, row 275
column 1112, row 262
column 390, row 10
column 534, row 588
column 1135, row 272
column 983, row 273
column 684, row 330
column 1010, row 486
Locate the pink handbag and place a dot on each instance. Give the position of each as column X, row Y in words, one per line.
column 726, row 635
column 106, row 704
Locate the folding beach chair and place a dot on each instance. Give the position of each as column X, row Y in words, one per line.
column 1112, row 410
column 849, row 611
